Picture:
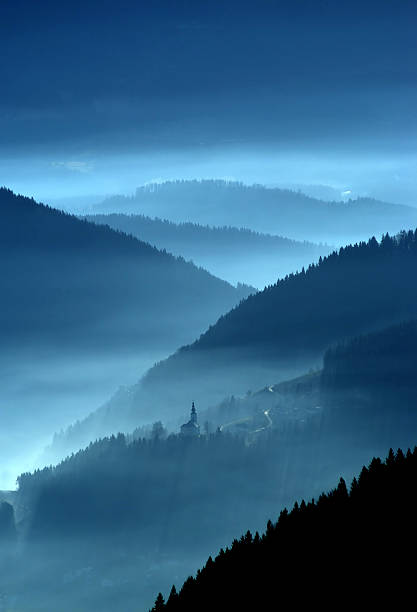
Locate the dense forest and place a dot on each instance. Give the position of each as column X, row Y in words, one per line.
column 121, row 507
column 230, row 253
column 378, row 360
column 349, row 544
column 273, row 211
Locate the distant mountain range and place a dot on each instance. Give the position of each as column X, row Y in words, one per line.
column 273, row 211
column 230, row 253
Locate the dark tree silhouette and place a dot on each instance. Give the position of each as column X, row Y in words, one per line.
column 356, row 541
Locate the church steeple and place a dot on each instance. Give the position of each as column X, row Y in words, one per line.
column 192, row 428
column 193, row 414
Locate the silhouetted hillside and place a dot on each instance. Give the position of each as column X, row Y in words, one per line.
column 290, row 324
column 359, row 538
column 63, row 278
column 230, row 253
column 272, row 211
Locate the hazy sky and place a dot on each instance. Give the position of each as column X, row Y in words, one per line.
column 91, row 87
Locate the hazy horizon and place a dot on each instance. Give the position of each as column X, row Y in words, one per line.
column 88, row 179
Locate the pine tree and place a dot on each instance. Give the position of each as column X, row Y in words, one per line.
column 159, row 603
column 173, row 598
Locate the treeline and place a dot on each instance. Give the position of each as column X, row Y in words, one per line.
column 237, row 255
column 342, row 291
column 163, row 231
column 351, row 545
column 182, row 493
column 278, row 211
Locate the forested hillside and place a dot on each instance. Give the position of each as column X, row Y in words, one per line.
column 359, row 537
column 127, row 515
column 290, row 324
column 69, row 279
column 230, row 253
column 379, row 360
column 275, row 211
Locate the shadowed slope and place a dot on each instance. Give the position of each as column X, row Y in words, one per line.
column 231, row 253
column 63, row 278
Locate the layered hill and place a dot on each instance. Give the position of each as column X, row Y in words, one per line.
column 288, row 326
column 63, row 278
column 230, row 253
column 273, row 211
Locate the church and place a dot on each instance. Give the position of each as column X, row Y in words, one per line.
column 192, row 428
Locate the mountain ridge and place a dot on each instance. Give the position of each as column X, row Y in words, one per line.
column 235, row 254
column 267, row 210
column 29, row 225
